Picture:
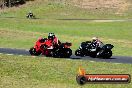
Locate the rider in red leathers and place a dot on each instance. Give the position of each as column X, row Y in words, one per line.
column 53, row 39
column 51, row 43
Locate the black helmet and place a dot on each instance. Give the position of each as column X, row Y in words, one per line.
column 51, row 36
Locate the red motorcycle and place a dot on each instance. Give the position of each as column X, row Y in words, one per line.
column 46, row 47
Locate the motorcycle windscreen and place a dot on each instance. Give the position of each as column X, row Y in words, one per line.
column 108, row 46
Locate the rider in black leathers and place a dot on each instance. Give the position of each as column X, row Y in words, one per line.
column 96, row 44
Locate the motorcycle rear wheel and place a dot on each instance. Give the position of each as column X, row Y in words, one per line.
column 68, row 53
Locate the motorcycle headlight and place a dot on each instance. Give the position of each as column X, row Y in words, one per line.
column 107, row 47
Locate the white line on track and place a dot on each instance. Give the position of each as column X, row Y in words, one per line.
column 117, row 63
column 92, row 61
column 20, row 55
column 9, row 54
column 66, row 59
column 27, row 49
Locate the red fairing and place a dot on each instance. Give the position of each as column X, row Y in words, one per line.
column 48, row 43
column 38, row 44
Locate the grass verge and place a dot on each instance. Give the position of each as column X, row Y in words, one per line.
column 22, row 33
column 43, row 72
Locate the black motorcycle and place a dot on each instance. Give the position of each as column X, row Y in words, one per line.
column 62, row 51
column 88, row 49
column 31, row 16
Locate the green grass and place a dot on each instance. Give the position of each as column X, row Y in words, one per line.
column 79, row 28
column 42, row 72
column 22, row 33
column 18, row 32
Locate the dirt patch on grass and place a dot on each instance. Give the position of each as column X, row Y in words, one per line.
column 119, row 5
column 15, row 34
column 100, row 3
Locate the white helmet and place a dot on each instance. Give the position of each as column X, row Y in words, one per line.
column 94, row 38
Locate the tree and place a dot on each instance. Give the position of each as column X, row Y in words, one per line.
column 10, row 3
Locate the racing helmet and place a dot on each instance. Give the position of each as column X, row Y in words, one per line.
column 51, row 36
column 94, row 38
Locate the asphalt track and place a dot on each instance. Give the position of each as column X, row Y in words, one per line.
column 113, row 59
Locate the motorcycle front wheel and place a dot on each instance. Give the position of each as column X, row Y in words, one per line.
column 107, row 54
column 33, row 51
column 79, row 53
